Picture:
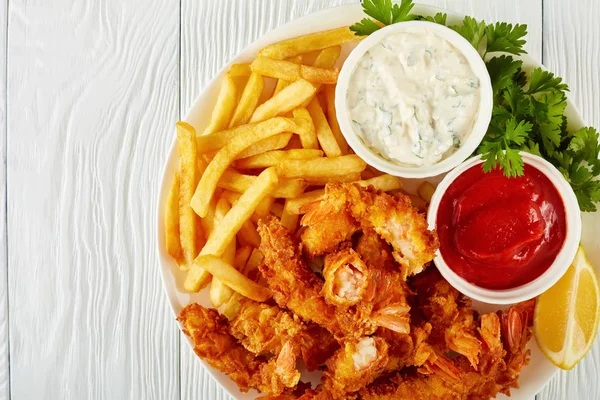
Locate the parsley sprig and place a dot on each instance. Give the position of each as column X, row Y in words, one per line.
column 529, row 108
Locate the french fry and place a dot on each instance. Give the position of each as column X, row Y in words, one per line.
column 231, row 197
column 295, row 205
column 281, row 83
column 385, row 183
column 173, row 244
column 224, row 107
column 208, row 183
column 328, row 57
column 234, row 181
column 286, row 100
column 321, row 167
column 332, row 118
column 290, row 71
column 425, row 191
column 248, row 234
column 323, row 180
column 275, row 142
column 289, row 220
column 248, row 101
column 188, row 173
column 240, row 70
column 324, row 134
column 233, row 278
column 220, row 293
column 241, row 257
column 306, row 44
column 263, row 208
column 232, row 308
column 251, row 269
column 208, row 222
column 277, row 209
column 272, row 158
column 308, row 135
column 230, row 225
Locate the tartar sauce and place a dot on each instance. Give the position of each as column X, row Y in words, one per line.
column 414, row 98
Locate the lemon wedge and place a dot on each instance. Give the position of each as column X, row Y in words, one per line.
column 567, row 315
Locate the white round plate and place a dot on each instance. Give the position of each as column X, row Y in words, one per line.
column 534, row 376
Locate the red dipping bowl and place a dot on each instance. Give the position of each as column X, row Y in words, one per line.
column 448, row 263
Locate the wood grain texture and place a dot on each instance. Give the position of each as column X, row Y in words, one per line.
column 214, row 31
column 4, row 328
column 571, row 50
column 93, row 95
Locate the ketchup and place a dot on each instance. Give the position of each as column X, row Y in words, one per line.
column 498, row 232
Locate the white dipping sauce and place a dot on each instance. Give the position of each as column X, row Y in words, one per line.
column 413, row 98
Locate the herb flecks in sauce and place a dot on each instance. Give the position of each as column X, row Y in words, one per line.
column 414, row 98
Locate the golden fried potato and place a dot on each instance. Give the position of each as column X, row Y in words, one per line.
column 324, row 134
column 307, row 43
column 188, row 173
column 224, row 107
column 248, row 101
column 223, row 159
column 225, row 231
column 290, row 71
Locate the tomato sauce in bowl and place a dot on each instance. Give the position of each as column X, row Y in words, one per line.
column 501, row 233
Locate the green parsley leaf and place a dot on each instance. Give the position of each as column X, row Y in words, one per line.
column 541, row 81
column 438, row 18
column 364, row 27
column 584, row 143
column 516, row 100
column 383, row 11
column 556, row 102
column 550, row 134
column 490, row 153
column 517, row 132
column 504, row 37
column 532, row 147
column 471, row 30
column 502, row 71
column 402, row 13
column 380, row 10
column 512, row 163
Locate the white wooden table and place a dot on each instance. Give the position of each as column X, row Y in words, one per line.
column 91, row 90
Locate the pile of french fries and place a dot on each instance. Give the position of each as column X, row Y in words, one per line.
column 272, row 143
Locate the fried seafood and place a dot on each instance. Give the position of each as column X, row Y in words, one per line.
column 334, row 303
column 293, row 283
column 374, row 334
column 450, row 315
column 354, row 366
column 504, row 336
column 264, row 330
column 393, row 218
column 346, row 278
column 374, row 250
column 214, row 343
column 328, row 224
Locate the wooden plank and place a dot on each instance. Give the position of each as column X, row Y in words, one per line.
column 93, row 95
column 208, row 42
column 4, row 328
column 571, row 37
